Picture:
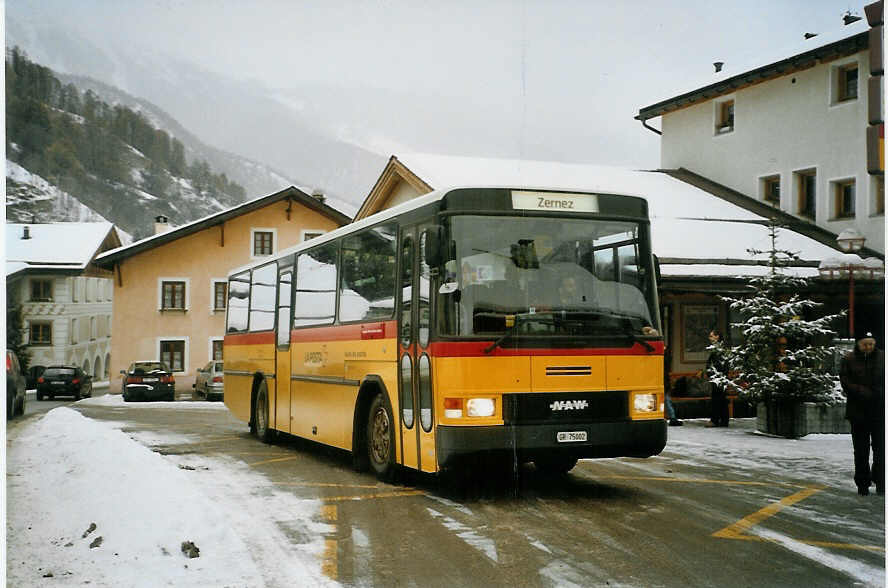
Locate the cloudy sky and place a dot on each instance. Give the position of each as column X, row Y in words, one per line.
column 539, row 79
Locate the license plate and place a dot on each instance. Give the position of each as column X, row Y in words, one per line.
column 571, row 436
column 58, row 383
column 149, row 379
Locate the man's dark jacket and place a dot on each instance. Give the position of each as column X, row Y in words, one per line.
column 863, row 381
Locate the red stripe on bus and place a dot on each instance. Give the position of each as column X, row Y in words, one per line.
column 356, row 332
column 476, row 349
column 249, row 338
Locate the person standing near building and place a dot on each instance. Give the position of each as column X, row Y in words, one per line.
column 715, row 363
column 863, row 381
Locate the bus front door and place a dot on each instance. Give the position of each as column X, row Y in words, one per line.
column 283, row 367
column 416, row 425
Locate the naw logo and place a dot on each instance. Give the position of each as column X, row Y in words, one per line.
column 568, row 405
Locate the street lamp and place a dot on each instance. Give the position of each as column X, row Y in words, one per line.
column 850, row 264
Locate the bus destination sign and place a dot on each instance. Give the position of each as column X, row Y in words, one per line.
column 554, row 201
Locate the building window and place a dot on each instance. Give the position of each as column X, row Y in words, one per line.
column 173, row 295
column 75, row 295
column 41, row 333
column 844, row 199
column 41, row 290
column 771, row 190
column 847, row 82
column 263, row 242
column 806, row 184
column 878, row 207
column 74, row 334
column 307, row 234
column 172, row 353
column 724, row 116
column 93, row 328
column 217, row 350
column 220, row 295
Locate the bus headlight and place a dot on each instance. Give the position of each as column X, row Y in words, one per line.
column 645, row 403
column 480, row 407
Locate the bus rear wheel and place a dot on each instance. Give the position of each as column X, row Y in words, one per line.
column 381, row 439
column 261, row 427
column 555, row 465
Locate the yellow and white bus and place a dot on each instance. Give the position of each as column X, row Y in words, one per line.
column 506, row 322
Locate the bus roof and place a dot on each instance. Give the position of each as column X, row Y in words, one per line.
column 404, row 207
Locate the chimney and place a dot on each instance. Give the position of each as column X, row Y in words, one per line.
column 849, row 18
column 318, row 195
column 26, row 232
column 718, row 66
column 161, row 224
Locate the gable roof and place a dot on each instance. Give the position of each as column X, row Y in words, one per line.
column 846, row 41
column 67, row 247
column 291, row 193
column 694, row 232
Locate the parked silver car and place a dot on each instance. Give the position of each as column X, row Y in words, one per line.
column 209, row 382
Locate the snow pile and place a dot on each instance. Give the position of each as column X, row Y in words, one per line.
column 79, row 462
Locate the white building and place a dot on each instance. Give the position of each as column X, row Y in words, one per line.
column 65, row 300
column 797, row 136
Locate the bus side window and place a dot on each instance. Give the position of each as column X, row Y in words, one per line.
column 238, row 303
column 316, row 286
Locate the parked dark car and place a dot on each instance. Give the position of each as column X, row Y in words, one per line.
column 64, row 380
column 15, row 386
column 148, row 380
column 209, row 381
column 34, row 372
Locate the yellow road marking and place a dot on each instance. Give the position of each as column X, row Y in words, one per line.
column 290, row 458
column 330, row 563
column 702, row 481
column 366, row 496
column 749, row 521
column 330, row 485
column 330, row 567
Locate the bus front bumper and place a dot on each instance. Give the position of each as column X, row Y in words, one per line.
column 603, row 439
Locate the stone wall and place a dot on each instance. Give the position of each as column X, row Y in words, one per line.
column 813, row 418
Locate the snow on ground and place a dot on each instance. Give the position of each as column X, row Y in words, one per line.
column 66, row 475
column 143, row 512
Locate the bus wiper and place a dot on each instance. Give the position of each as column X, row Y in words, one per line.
column 628, row 330
column 519, row 318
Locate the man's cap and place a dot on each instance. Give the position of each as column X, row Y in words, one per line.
column 867, row 335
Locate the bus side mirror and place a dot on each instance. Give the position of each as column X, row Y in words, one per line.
column 434, row 256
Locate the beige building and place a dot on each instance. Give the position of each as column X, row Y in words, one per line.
column 63, row 297
column 170, row 289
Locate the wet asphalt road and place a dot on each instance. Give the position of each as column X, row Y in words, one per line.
column 665, row 521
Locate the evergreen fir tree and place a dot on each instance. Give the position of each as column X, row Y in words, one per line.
column 782, row 356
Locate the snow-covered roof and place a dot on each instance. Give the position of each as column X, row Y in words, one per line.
column 789, row 58
column 687, row 223
column 55, row 246
column 109, row 257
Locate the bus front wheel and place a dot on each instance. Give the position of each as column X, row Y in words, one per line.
column 261, row 428
column 381, row 439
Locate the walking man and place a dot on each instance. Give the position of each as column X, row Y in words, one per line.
column 863, row 381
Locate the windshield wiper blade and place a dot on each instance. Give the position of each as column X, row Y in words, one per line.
column 519, row 318
column 628, row 330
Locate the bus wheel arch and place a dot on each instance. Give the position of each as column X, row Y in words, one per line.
column 259, row 401
column 373, row 398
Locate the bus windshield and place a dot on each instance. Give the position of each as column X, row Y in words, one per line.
column 548, row 276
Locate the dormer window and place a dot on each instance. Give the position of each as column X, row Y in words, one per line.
column 724, row 117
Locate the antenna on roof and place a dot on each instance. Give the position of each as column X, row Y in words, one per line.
column 810, row 35
column 718, row 65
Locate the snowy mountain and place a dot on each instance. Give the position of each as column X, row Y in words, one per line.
column 237, row 116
